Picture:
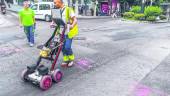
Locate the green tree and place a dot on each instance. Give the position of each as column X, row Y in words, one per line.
column 125, row 3
column 86, row 2
column 130, row 2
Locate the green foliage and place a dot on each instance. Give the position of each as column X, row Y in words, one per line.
column 163, row 17
column 152, row 11
column 128, row 14
column 136, row 9
column 164, row 1
column 86, row 1
column 151, row 18
column 161, row 1
column 139, row 16
column 128, row 1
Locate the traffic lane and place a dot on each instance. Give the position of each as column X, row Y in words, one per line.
column 23, row 65
column 15, row 64
column 100, row 58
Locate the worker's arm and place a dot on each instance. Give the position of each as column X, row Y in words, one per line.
column 33, row 16
column 20, row 21
column 33, row 19
column 73, row 18
column 74, row 22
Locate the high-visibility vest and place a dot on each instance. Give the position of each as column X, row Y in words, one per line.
column 74, row 31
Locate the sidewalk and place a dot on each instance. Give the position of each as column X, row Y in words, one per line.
column 94, row 17
column 15, row 8
column 5, row 22
column 1, row 20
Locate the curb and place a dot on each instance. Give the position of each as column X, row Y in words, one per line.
column 156, row 22
column 81, row 17
column 94, row 17
column 162, row 22
column 12, row 10
column 13, row 13
column 78, row 17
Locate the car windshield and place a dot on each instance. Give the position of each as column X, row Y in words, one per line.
column 34, row 7
column 44, row 7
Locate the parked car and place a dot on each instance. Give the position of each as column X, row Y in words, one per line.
column 43, row 10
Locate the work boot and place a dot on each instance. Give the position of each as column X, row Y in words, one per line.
column 31, row 44
column 70, row 64
column 64, row 64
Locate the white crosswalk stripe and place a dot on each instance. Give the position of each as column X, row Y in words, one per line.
column 9, row 16
column 4, row 22
column 14, row 14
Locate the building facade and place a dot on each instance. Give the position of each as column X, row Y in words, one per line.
column 103, row 7
column 83, row 7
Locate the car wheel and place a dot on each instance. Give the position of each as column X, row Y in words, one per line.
column 47, row 18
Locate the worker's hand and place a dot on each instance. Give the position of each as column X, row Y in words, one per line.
column 52, row 25
column 56, row 38
column 35, row 25
column 20, row 25
column 71, row 27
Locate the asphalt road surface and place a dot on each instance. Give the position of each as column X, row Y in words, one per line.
column 122, row 58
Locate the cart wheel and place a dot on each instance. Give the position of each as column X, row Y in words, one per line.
column 24, row 75
column 46, row 82
column 57, row 75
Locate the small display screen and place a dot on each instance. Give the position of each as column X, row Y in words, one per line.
column 56, row 13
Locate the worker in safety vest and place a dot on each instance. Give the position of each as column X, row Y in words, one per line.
column 69, row 18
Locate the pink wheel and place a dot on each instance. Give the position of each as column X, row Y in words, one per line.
column 46, row 82
column 24, row 74
column 57, row 75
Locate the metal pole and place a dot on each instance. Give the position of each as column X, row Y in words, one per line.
column 95, row 7
column 68, row 2
column 111, row 7
column 168, row 10
column 151, row 2
column 143, row 6
column 157, row 2
column 76, row 7
column 85, row 1
column 2, row 2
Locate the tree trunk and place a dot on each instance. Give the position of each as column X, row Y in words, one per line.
column 2, row 2
column 76, row 8
column 85, row 8
column 157, row 2
column 111, row 5
column 95, row 7
column 168, row 14
column 143, row 6
column 151, row 3
column 68, row 2
column 124, row 7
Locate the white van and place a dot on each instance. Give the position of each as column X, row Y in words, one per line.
column 43, row 10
